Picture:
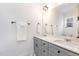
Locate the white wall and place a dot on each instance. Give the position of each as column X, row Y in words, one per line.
column 8, row 42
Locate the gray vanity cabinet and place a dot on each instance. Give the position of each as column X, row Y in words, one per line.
column 43, row 48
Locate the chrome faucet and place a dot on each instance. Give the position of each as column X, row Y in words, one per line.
column 38, row 24
column 45, row 30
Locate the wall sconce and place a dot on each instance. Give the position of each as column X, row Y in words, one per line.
column 44, row 9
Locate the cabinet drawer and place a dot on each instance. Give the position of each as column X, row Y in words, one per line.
column 64, row 52
column 60, row 51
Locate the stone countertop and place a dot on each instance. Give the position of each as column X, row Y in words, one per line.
column 73, row 45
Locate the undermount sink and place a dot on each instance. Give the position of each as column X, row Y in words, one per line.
column 65, row 40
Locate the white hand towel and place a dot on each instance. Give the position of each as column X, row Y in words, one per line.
column 21, row 31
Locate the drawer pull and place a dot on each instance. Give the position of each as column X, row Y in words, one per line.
column 44, row 51
column 58, row 51
column 44, row 44
column 36, row 45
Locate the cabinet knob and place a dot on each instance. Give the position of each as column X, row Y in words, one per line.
column 36, row 45
column 58, row 51
column 43, row 50
column 44, row 44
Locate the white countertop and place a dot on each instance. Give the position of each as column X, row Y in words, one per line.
column 73, row 45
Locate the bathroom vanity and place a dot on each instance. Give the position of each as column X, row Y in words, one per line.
column 65, row 23
column 53, row 46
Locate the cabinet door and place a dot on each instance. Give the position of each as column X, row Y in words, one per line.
column 37, row 46
column 36, row 49
column 44, row 47
column 58, row 51
column 64, row 52
column 53, row 49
